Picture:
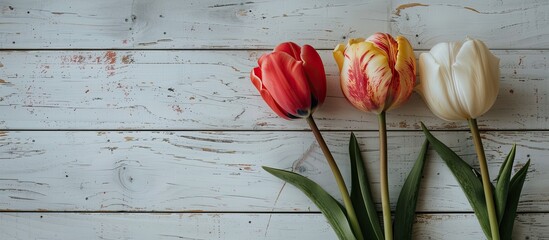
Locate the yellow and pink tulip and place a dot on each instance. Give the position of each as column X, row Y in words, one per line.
column 377, row 73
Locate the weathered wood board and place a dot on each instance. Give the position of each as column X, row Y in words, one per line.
column 212, row 24
column 221, row 171
column 195, row 24
column 233, row 226
column 211, row 90
column 503, row 24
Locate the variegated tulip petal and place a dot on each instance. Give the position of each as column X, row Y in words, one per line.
column 290, row 48
column 314, row 69
column 436, row 88
column 477, row 73
column 365, row 77
column 255, row 75
column 339, row 57
column 404, row 81
column 354, row 40
column 387, row 44
column 284, row 78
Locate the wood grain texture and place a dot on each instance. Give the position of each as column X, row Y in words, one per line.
column 163, row 226
column 170, row 122
column 23, row 226
column 195, row 24
column 211, row 90
column 502, row 24
column 246, row 24
column 221, row 171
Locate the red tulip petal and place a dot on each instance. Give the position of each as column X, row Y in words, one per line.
column 274, row 106
column 314, row 69
column 255, row 75
column 290, row 48
column 287, row 83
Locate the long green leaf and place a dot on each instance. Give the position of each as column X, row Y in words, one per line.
column 330, row 207
column 407, row 200
column 361, row 195
column 467, row 179
column 502, row 185
column 515, row 188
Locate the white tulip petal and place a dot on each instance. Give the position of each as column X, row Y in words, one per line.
column 477, row 78
column 459, row 81
column 433, row 87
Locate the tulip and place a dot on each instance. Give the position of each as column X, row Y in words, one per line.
column 378, row 74
column 459, row 81
column 291, row 80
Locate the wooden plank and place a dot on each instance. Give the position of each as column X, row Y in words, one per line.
column 251, row 25
column 502, row 24
column 196, row 24
column 163, row 226
column 233, row 226
column 211, row 90
column 465, row 226
column 221, row 171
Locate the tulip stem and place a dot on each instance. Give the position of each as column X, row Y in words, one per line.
column 339, row 179
column 487, row 185
column 384, row 180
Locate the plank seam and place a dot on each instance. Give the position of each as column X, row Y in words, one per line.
column 239, row 212
column 213, row 49
column 262, row 130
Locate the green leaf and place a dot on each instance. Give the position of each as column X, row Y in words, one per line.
column 407, row 200
column 515, row 188
column 467, row 178
column 502, row 185
column 330, row 207
column 361, row 195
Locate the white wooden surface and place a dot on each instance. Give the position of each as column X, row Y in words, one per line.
column 137, row 120
column 234, row 226
column 211, row 90
column 221, row 171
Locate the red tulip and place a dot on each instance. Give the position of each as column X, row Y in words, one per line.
column 291, row 80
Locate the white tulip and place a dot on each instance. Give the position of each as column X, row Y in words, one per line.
column 459, row 81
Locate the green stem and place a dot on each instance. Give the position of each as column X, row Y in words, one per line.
column 339, row 179
column 494, row 227
column 384, row 180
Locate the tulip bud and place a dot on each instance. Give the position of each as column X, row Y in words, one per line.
column 291, row 80
column 377, row 74
column 459, row 81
